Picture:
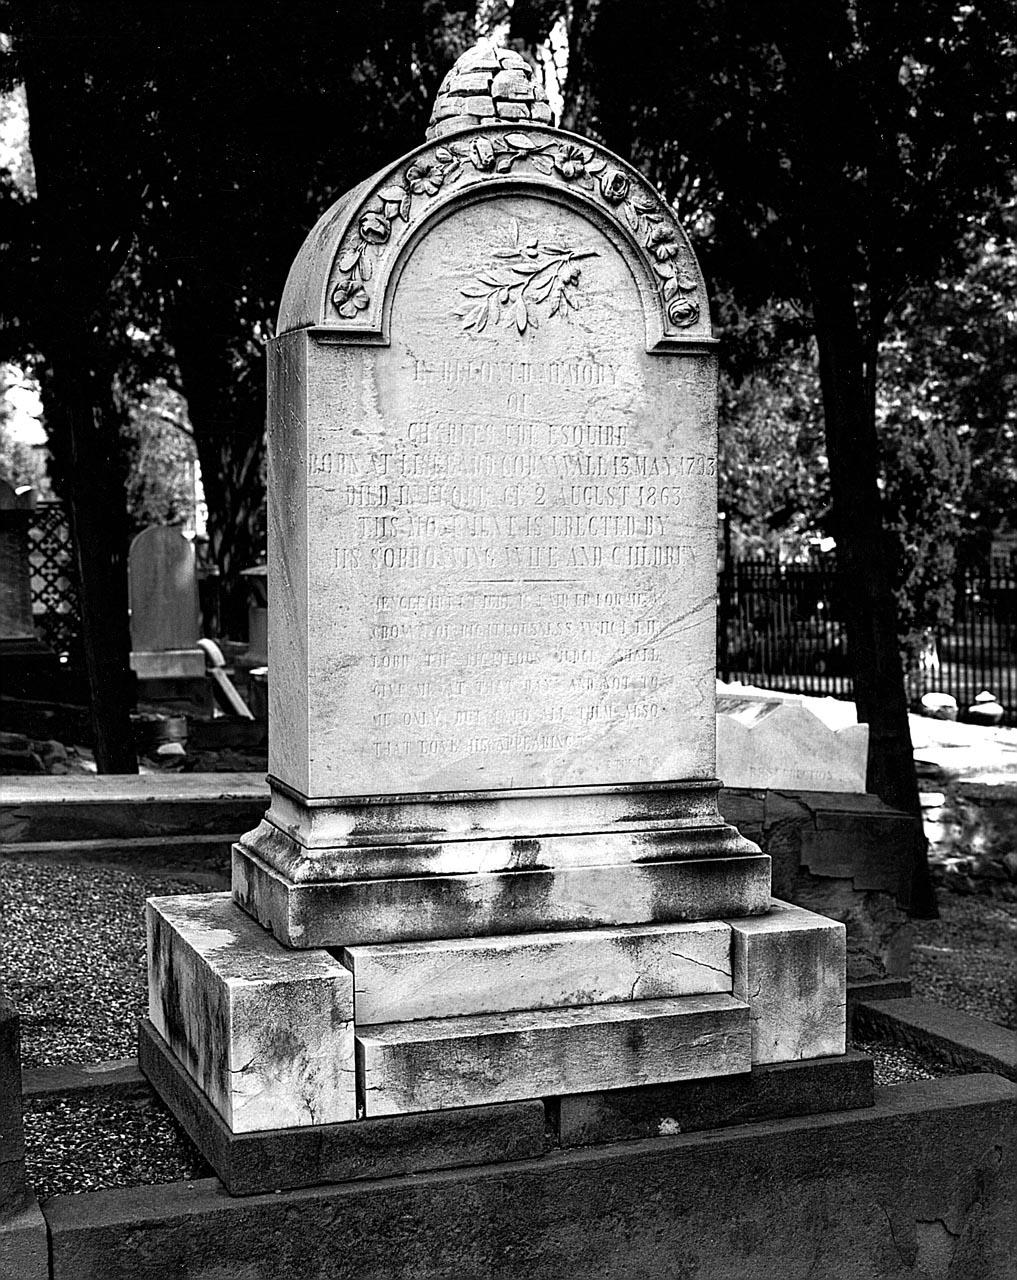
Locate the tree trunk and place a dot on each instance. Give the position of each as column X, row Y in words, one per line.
column 84, row 432
column 864, row 556
column 75, row 281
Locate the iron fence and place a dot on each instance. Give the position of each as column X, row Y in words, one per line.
column 781, row 625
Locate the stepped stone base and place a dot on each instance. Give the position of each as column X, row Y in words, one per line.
column 277, row 1038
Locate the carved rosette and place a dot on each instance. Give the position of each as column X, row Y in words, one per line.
column 383, row 220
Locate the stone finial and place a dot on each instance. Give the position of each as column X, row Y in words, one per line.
column 488, row 84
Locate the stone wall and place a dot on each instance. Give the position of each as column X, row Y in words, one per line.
column 844, row 856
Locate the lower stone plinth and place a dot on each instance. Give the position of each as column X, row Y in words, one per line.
column 350, row 913
column 254, row 1162
column 267, row 1033
column 448, row 1062
column 924, row 1184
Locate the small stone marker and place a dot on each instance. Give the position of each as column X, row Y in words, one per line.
column 165, row 625
column 492, row 548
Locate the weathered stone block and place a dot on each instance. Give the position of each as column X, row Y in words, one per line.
column 339, row 914
column 402, row 981
column 267, row 1033
column 777, row 743
column 449, row 1062
column 541, row 111
column 24, row 1244
column 477, row 106
column 482, row 57
column 472, row 82
column 512, row 84
column 450, row 124
column 514, row 110
column 789, row 966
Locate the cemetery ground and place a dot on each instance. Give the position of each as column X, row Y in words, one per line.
column 75, row 967
column 74, row 964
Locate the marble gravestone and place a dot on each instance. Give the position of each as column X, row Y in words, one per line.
column 165, row 626
column 492, row 547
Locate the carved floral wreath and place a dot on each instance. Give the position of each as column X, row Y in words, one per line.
column 498, row 153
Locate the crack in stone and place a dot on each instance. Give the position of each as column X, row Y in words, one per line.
column 679, row 955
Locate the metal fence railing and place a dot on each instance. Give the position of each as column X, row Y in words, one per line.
column 781, row 625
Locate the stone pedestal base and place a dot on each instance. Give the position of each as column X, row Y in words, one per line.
column 282, row 1039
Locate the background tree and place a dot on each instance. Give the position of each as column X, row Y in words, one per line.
column 840, row 150
column 179, row 163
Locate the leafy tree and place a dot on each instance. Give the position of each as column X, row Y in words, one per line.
column 948, row 375
column 773, row 481
column 839, row 149
column 161, row 456
column 87, row 95
column 179, row 162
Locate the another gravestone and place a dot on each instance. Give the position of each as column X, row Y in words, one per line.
column 15, row 570
column 165, row 626
column 492, row 547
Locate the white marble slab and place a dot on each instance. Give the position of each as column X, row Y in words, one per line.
column 494, row 543
column 402, row 981
column 790, row 967
column 762, row 744
column 455, row 1062
column 266, row 1032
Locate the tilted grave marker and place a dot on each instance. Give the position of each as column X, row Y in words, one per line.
column 492, row 546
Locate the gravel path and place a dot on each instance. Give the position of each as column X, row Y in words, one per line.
column 73, row 959
column 967, row 959
column 72, row 952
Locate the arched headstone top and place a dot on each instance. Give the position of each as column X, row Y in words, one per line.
column 343, row 276
column 163, row 588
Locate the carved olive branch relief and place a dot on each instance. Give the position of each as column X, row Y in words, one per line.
column 532, row 274
column 569, row 163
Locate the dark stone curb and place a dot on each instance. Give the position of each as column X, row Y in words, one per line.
column 114, row 1080
column 924, row 1183
column 962, row 1040
column 249, row 1163
column 24, row 1251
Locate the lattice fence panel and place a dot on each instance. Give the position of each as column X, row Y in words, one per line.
column 54, row 579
